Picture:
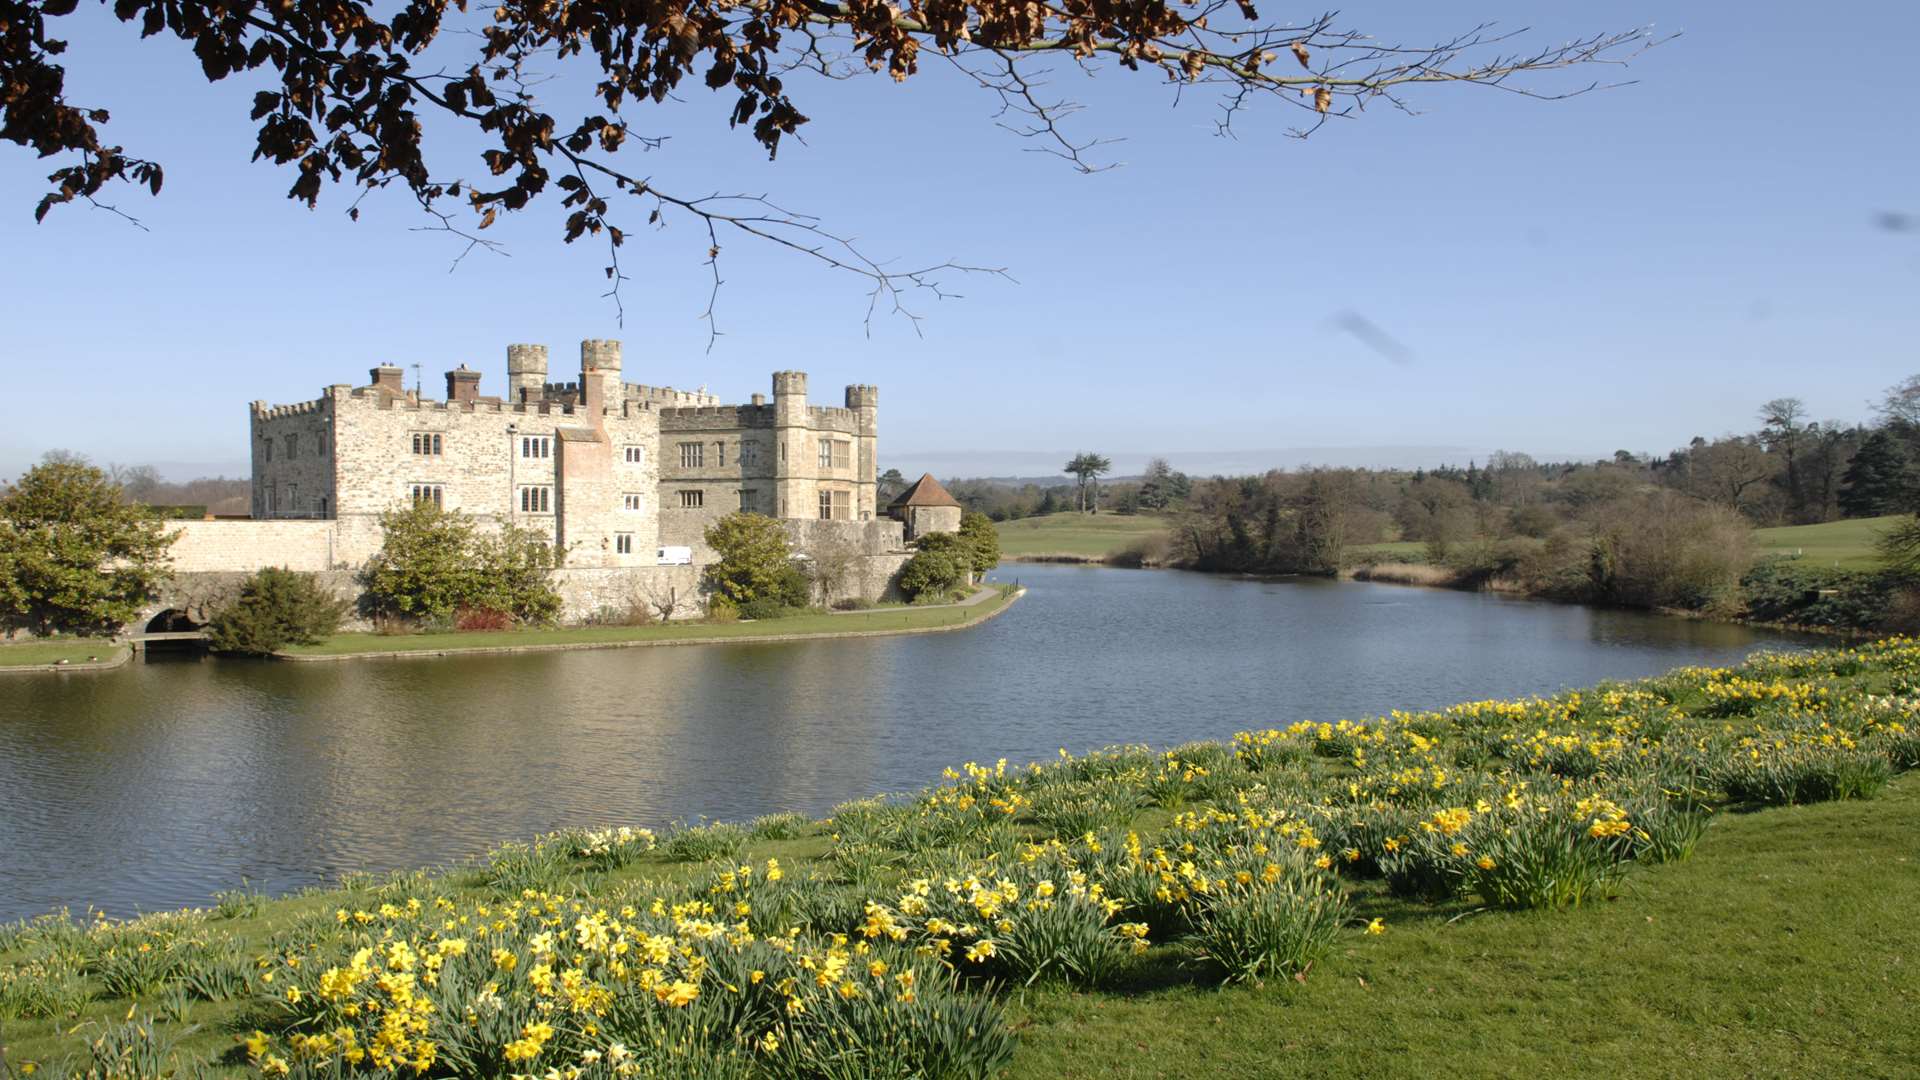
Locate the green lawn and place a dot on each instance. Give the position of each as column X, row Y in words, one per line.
column 1848, row 544
column 1844, row 543
column 1783, row 947
column 73, row 650
column 1088, row 535
column 880, row 620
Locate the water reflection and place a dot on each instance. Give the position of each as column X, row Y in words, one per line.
column 155, row 785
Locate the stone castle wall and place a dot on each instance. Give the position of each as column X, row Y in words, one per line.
column 293, row 460
column 212, row 558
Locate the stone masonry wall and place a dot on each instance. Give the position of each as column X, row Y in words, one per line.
column 483, row 468
column 293, row 459
column 246, row 546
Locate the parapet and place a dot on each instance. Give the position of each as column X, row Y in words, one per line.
column 264, row 411
column 525, row 359
column 789, row 383
column 599, row 354
column 668, row 397
column 862, row 396
column 708, row 417
column 833, row 419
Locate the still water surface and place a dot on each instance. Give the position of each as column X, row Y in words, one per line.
column 155, row 785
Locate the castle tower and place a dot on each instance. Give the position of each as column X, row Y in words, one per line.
column 600, row 383
column 865, row 402
column 793, row 469
column 526, row 372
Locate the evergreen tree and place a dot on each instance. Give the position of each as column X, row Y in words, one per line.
column 276, row 608
column 1880, row 479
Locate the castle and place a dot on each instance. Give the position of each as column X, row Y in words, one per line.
column 623, row 479
column 613, row 472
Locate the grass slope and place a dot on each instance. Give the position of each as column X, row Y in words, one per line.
column 882, row 620
column 1087, row 535
column 1847, row 544
column 1783, row 947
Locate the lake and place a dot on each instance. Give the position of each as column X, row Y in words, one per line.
column 155, row 785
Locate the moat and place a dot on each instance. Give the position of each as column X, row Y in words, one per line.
column 155, row 785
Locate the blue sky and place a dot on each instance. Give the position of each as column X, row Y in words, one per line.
column 1626, row 269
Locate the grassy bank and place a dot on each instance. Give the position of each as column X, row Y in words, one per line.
column 73, row 651
column 900, row 619
column 1849, row 545
column 1846, row 544
column 1081, row 537
column 1491, row 889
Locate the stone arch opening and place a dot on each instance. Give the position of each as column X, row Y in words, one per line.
column 172, row 621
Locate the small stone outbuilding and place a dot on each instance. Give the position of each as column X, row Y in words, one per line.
column 926, row 507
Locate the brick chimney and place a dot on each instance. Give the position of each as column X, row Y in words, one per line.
column 389, row 377
column 463, row 384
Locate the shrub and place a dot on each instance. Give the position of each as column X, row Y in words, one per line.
column 470, row 619
column 276, row 608
column 1670, row 551
column 1791, row 591
column 767, row 607
column 936, row 569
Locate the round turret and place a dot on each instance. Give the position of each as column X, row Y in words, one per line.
column 861, row 396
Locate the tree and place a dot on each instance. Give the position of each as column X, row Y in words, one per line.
column 1087, row 467
column 75, row 555
column 754, row 562
column 515, row 575
column 347, row 92
column 1161, row 487
column 983, row 541
column 890, row 485
column 1726, row 471
column 1901, row 402
column 937, row 568
column 276, row 608
column 433, row 563
column 1783, row 427
column 424, row 569
column 1880, row 479
column 834, row 557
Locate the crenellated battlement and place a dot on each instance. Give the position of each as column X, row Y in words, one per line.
column 667, row 395
column 833, row 418
column 706, row 417
column 264, row 411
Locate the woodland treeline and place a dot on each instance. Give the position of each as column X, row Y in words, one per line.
column 1670, row 530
